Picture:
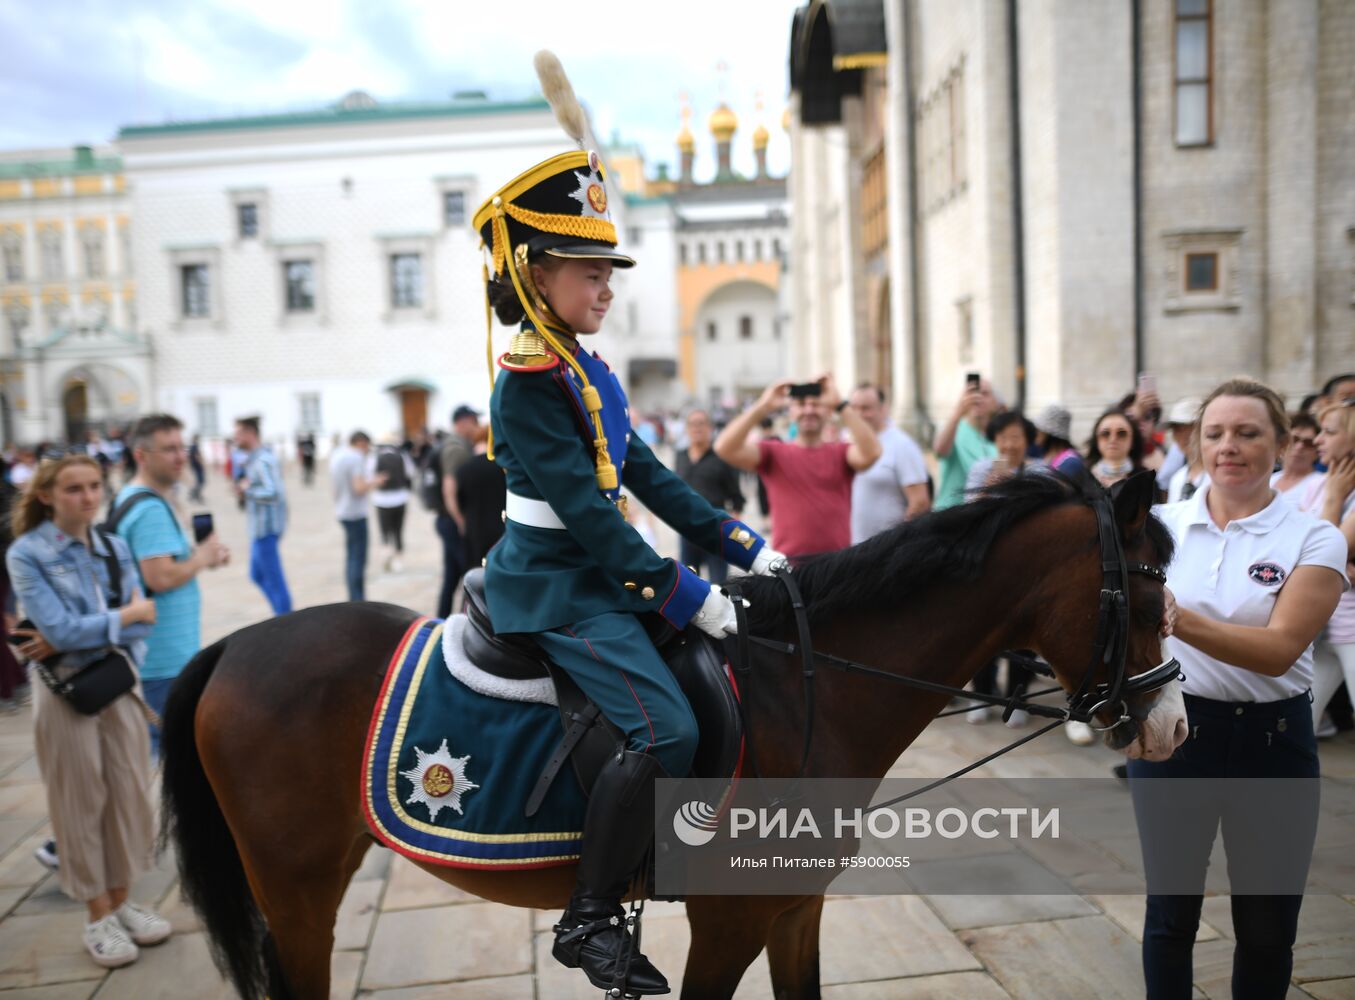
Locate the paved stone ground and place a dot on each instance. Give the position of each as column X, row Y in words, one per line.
column 403, row 934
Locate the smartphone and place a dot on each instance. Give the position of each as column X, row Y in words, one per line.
column 802, row 390
column 972, row 380
column 18, row 640
column 202, row 527
column 1147, row 384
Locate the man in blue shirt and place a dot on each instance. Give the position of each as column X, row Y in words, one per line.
column 143, row 515
column 260, row 485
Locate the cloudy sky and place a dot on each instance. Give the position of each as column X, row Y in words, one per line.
column 78, row 76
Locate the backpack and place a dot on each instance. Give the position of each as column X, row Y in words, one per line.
column 116, row 512
column 430, row 482
column 392, row 463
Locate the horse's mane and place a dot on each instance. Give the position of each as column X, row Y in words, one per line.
column 943, row 546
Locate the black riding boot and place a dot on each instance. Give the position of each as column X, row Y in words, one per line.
column 617, row 831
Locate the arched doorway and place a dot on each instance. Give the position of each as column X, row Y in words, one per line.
column 883, row 367
column 413, row 396
column 739, row 346
column 99, row 397
column 75, row 408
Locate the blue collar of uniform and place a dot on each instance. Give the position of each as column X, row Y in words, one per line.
column 567, row 339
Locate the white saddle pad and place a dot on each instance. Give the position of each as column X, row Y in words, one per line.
column 541, row 689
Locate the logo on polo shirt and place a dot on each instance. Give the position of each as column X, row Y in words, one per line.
column 1266, row 574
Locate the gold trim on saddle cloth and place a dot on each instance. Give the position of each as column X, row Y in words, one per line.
column 392, row 774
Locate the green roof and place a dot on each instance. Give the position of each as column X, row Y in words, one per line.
column 641, row 199
column 337, row 114
column 67, row 166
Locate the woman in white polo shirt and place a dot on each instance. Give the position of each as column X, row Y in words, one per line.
column 1254, row 582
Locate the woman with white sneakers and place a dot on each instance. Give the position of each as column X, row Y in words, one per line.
column 77, row 584
column 1252, row 584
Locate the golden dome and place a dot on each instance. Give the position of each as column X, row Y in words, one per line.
column 685, row 142
column 723, row 123
column 761, row 137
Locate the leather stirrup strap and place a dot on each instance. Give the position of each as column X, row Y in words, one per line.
column 579, row 724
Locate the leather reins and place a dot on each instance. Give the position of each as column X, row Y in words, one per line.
column 1110, row 648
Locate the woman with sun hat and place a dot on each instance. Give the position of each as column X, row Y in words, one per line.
column 570, row 570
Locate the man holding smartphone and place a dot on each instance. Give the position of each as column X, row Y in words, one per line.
column 808, row 480
column 961, row 441
column 143, row 514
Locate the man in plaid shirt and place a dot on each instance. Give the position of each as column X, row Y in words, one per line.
column 260, row 484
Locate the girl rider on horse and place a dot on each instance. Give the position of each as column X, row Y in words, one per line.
column 570, row 570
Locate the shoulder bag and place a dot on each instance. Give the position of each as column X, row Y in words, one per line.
column 96, row 685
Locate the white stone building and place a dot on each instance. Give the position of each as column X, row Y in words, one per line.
column 708, row 319
column 1062, row 194
column 320, row 269
column 71, row 356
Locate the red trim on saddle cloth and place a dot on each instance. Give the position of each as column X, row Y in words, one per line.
column 368, row 743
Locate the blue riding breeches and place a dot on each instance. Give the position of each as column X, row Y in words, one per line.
column 612, row 659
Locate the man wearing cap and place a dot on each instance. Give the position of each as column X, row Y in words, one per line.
column 450, row 522
column 1180, row 420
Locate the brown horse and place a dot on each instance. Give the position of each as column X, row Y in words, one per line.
column 264, row 731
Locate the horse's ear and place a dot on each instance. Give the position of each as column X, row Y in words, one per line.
column 1133, row 500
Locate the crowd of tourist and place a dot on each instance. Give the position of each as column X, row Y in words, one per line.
column 105, row 569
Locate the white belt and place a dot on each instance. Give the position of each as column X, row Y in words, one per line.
column 533, row 513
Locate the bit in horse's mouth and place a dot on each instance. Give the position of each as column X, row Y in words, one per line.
column 1123, row 735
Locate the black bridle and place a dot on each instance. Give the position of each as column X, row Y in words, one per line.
column 1110, row 648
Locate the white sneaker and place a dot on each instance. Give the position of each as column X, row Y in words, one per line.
column 145, row 926
column 47, row 856
column 1079, row 733
column 978, row 716
column 1019, row 718
column 1326, row 729
column 108, row 944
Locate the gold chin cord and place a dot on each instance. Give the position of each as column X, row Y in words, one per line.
column 502, row 250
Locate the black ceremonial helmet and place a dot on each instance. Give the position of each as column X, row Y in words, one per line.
column 558, row 208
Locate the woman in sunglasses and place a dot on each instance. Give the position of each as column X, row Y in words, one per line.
column 1297, row 476
column 1115, row 451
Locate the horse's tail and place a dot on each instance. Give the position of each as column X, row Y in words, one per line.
column 211, row 875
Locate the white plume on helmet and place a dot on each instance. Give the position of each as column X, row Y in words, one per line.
column 559, row 93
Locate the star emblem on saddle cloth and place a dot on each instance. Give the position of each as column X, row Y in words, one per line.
column 439, row 780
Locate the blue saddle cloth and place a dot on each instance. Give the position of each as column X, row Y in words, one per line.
column 447, row 770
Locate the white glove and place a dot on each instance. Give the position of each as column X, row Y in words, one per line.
column 716, row 615
column 768, row 561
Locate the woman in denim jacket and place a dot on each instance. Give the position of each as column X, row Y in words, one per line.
column 96, row 768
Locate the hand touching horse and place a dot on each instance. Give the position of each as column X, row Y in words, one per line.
column 264, row 730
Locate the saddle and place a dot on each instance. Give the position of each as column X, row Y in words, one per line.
column 589, row 738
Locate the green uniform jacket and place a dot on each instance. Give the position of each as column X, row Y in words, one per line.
column 538, row 579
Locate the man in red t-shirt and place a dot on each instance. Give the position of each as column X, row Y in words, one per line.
column 809, row 480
